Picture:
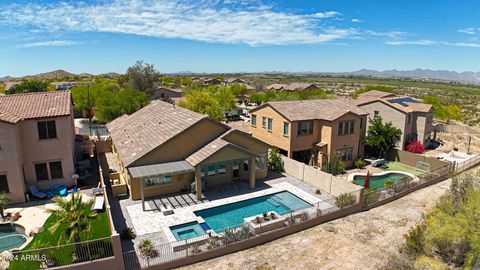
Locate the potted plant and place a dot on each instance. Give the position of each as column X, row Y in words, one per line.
column 272, row 215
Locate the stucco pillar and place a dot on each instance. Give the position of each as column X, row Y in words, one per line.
column 198, row 183
column 142, row 193
column 252, row 172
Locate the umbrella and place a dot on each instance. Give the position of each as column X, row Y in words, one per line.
column 366, row 185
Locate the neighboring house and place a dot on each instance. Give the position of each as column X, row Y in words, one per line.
column 9, row 85
column 413, row 118
column 163, row 149
column 234, row 80
column 67, row 85
column 292, row 87
column 163, row 92
column 311, row 131
column 206, row 81
column 37, row 137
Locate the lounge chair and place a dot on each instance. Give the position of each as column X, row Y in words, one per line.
column 98, row 203
column 36, row 193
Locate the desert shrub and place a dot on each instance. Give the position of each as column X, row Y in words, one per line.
column 291, row 219
column 275, row 161
column 147, row 250
column 194, row 249
column 245, row 232
column 371, row 196
column 304, row 216
column 424, row 262
column 128, row 233
column 213, row 243
column 360, row 163
column 388, row 183
column 414, row 240
column 229, row 237
column 334, row 165
column 345, row 199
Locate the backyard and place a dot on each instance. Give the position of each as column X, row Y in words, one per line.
column 397, row 166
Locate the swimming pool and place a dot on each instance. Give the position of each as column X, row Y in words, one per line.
column 187, row 230
column 10, row 238
column 229, row 215
column 377, row 181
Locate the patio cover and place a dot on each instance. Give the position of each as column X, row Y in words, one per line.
column 149, row 171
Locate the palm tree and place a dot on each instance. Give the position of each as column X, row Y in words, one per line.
column 4, row 201
column 74, row 214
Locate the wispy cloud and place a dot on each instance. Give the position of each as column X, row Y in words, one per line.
column 250, row 22
column 356, row 21
column 50, row 43
column 389, row 34
column 470, row 31
column 428, row 42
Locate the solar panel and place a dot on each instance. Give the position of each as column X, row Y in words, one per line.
column 402, row 101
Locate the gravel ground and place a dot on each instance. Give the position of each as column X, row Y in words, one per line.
column 358, row 241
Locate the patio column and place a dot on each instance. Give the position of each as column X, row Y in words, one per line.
column 142, row 193
column 198, row 183
column 252, row 172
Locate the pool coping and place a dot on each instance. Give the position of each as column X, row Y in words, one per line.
column 352, row 175
column 186, row 214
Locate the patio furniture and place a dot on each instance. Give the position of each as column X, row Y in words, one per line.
column 167, row 210
column 378, row 162
column 63, row 192
column 98, row 203
column 36, row 193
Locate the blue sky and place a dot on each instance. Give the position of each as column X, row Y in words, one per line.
column 233, row 36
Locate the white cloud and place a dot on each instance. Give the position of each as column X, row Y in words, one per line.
column 218, row 21
column 390, row 34
column 50, row 43
column 356, row 21
column 470, row 31
column 428, row 42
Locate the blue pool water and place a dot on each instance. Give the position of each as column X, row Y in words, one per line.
column 233, row 214
column 9, row 238
column 187, row 230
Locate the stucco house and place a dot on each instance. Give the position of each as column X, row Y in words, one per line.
column 163, row 149
column 37, row 138
column 164, row 93
column 311, row 131
column 292, row 87
column 412, row 117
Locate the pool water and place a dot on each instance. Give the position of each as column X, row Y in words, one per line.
column 233, row 214
column 378, row 181
column 9, row 238
column 187, row 230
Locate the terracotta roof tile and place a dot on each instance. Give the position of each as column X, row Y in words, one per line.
column 17, row 107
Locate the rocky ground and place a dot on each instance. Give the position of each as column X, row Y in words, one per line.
column 360, row 241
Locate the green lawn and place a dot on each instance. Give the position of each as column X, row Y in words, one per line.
column 100, row 229
column 396, row 166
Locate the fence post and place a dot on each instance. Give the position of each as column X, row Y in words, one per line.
column 186, row 247
column 88, row 251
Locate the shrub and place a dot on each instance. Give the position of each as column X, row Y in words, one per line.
column 371, row 196
column 304, row 216
column 147, row 249
column 345, row 199
column 291, row 219
column 334, row 165
column 415, row 147
column 128, row 233
column 275, row 161
column 360, row 163
column 414, row 240
column 194, row 249
column 388, row 183
column 318, row 192
column 245, row 232
column 212, row 243
column 229, row 237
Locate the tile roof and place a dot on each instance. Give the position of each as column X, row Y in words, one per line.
column 386, row 98
column 18, row 107
column 323, row 109
column 370, row 96
column 298, row 86
column 276, row 86
column 175, row 90
column 169, row 168
column 139, row 133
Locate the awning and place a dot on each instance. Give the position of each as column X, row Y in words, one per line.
column 170, row 168
column 320, row 144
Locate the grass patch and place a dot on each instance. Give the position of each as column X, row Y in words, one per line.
column 396, row 166
column 63, row 256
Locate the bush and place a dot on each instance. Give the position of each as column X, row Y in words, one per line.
column 245, row 232
column 128, row 233
column 388, row 183
column 212, row 243
column 147, row 250
column 304, row 216
column 345, row 199
column 371, row 196
column 194, row 249
column 415, row 147
column 414, row 240
column 334, row 165
column 229, row 237
column 360, row 163
column 275, row 161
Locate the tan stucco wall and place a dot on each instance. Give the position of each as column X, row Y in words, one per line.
column 157, row 94
column 184, row 144
column 11, row 161
column 178, row 182
column 275, row 137
column 347, row 141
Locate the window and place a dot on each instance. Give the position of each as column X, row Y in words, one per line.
column 161, row 180
column 221, row 168
column 270, row 123
column 202, row 172
column 346, row 128
column 254, row 120
column 264, row 121
column 285, row 129
column 4, row 184
column 56, row 170
column 41, row 171
column 46, row 130
column 260, row 162
column 305, row 128
column 376, row 113
column 245, row 165
column 211, row 170
column 345, row 154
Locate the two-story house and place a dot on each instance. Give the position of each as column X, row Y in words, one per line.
column 412, row 117
column 37, row 137
column 311, row 130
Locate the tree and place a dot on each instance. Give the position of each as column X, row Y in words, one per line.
column 382, row 136
column 2, row 89
column 203, row 102
column 442, row 111
column 275, row 160
column 4, row 201
column 454, row 112
column 27, row 86
column 334, row 165
column 141, row 76
column 415, row 147
column 73, row 215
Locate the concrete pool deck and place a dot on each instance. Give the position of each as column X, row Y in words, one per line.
column 155, row 226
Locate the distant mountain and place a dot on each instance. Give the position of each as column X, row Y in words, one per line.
column 56, row 74
column 468, row 77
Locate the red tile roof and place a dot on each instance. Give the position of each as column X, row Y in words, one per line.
column 18, row 107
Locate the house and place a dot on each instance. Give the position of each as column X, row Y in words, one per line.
column 37, row 137
column 231, row 81
column 211, row 81
column 311, row 131
column 163, row 148
column 292, row 87
column 67, row 85
column 413, row 118
column 164, row 92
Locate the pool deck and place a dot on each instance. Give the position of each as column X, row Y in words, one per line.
column 154, row 225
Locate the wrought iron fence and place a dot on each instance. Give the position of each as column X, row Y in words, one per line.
column 86, row 251
column 138, row 258
column 465, row 165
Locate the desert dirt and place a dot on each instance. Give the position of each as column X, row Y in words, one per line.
column 359, row 241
